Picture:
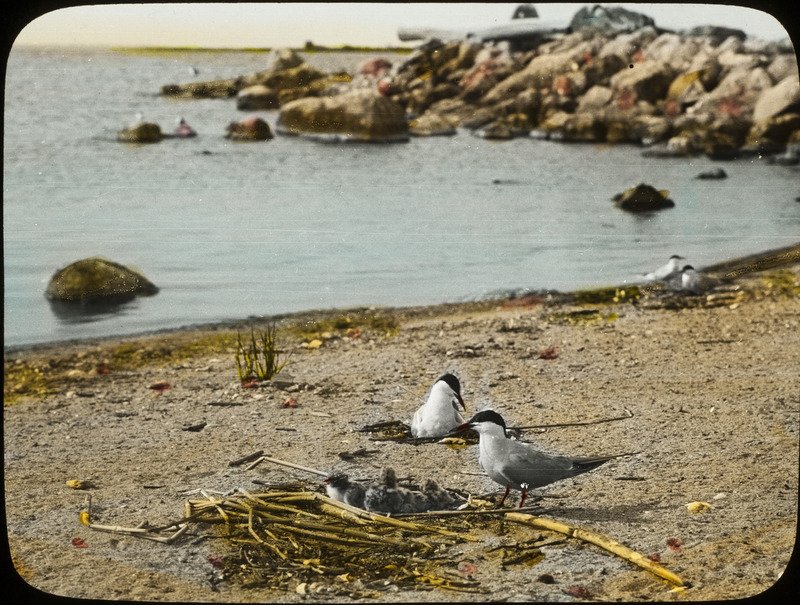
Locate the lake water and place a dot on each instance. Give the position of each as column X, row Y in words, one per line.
column 231, row 230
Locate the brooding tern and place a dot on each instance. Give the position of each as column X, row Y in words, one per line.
column 439, row 415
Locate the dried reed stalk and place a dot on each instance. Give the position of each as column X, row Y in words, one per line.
column 598, row 539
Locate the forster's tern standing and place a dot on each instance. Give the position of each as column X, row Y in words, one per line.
column 515, row 465
column 665, row 272
column 439, row 415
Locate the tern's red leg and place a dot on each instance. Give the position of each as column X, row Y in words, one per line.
column 522, row 500
column 503, row 499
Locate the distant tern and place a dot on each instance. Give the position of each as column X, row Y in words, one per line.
column 686, row 280
column 665, row 272
column 439, row 415
column 515, row 465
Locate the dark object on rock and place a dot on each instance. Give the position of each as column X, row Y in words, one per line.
column 612, row 19
column 358, row 115
column 143, row 132
column 716, row 33
column 714, row 173
column 251, row 128
column 525, row 11
column 95, row 279
column 643, row 198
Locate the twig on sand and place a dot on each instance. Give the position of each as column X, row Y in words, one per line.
column 248, row 458
column 313, row 471
column 628, row 414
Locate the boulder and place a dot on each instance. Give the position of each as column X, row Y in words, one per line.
column 358, row 115
column 251, row 128
column 375, row 68
column 432, row 124
column 613, row 19
column 643, row 198
column 775, row 100
column 539, row 73
column 773, row 132
column 97, row 279
column 648, row 81
column 713, row 174
column 143, row 132
column 595, row 98
column 256, row 97
column 716, row 34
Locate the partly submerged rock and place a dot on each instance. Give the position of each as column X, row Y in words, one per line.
column 357, row 115
column 251, row 128
column 96, row 279
column 643, row 198
column 257, row 97
column 143, row 132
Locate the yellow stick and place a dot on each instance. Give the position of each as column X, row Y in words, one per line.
column 598, row 539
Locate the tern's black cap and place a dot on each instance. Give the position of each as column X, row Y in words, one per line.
column 451, row 381
column 488, row 416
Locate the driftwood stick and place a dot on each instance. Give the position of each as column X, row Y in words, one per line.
column 598, row 539
column 255, row 463
column 248, row 458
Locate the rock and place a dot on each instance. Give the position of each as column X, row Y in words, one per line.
column 285, row 58
column 782, row 66
column 716, row 34
column 773, row 132
column 643, row 198
column 143, row 132
column 375, row 68
column 713, row 174
column 358, row 115
column 97, row 279
column 525, row 11
column 648, row 81
column 595, row 98
column 432, row 124
column 775, row 100
column 609, row 19
column 256, row 97
column 539, row 73
column 251, row 128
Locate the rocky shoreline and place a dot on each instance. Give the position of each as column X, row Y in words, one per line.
column 610, row 77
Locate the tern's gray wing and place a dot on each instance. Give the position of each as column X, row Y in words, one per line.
column 527, row 466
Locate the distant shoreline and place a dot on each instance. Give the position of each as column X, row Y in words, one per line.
column 308, row 49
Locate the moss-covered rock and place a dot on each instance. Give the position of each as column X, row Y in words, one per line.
column 643, row 198
column 97, row 279
column 143, row 132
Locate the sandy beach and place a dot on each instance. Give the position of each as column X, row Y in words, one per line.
column 704, row 388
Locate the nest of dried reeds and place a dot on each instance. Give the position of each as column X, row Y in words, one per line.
column 293, row 540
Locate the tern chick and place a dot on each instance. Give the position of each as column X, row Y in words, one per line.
column 340, row 488
column 439, row 415
column 515, row 465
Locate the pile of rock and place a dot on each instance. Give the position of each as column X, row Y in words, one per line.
column 612, row 76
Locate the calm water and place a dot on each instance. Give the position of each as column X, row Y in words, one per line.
column 231, row 230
